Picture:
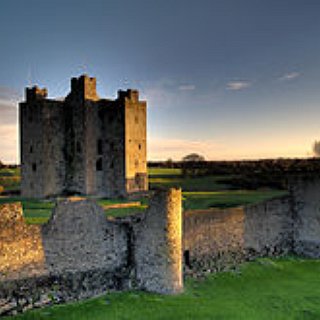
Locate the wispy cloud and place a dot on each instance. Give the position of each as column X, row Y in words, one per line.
column 290, row 76
column 238, row 85
column 187, row 87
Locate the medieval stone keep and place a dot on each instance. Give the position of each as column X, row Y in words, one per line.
column 83, row 144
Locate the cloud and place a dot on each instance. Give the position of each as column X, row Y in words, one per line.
column 238, row 85
column 290, row 76
column 187, row 87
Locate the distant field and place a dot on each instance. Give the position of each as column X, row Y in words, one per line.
column 10, row 179
column 226, row 199
column 279, row 289
column 39, row 211
column 163, row 172
column 198, row 193
column 167, row 177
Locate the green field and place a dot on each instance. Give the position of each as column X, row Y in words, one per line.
column 198, row 193
column 266, row 289
column 227, row 199
column 39, row 211
column 166, row 177
column 10, row 179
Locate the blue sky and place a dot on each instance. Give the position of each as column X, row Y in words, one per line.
column 230, row 79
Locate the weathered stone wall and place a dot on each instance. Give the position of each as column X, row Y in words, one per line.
column 135, row 141
column 306, row 209
column 53, row 163
column 113, row 153
column 268, row 228
column 213, row 239
column 217, row 239
column 80, row 253
column 42, row 141
column 21, row 249
column 158, row 245
column 78, row 238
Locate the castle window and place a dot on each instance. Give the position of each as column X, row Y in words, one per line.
column 99, row 147
column 99, row 164
column 34, row 167
column 111, row 164
column 186, row 256
column 78, row 147
column 31, row 149
column 139, row 146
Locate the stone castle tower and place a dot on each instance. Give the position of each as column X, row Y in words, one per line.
column 83, row 144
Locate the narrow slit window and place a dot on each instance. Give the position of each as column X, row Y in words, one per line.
column 100, row 147
column 186, row 256
column 99, row 165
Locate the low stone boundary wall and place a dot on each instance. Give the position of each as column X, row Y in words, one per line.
column 218, row 239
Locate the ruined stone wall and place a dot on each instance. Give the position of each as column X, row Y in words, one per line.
column 213, row 239
column 216, row 239
column 21, row 250
column 158, row 245
column 77, row 254
column 80, row 253
column 79, row 237
column 269, row 227
column 306, row 209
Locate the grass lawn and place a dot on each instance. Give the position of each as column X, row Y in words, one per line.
column 266, row 289
column 39, row 211
column 10, row 179
column 226, row 199
column 198, row 193
column 167, row 177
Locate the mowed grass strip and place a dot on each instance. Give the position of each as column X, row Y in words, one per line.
column 227, row 199
column 39, row 211
column 267, row 289
column 10, row 178
column 172, row 177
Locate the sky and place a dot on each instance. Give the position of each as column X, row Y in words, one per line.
column 229, row 79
